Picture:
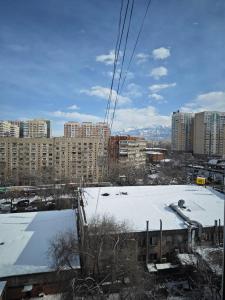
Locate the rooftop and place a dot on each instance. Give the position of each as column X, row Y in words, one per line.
column 25, row 237
column 136, row 204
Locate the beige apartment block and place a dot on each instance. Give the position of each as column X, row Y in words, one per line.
column 182, row 131
column 86, row 129
column 132, row 152
column 36, row 129
column 41, row 160
column 209, row 127
column 7, row 129
column 224, row 141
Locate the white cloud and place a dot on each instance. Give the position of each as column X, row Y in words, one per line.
column 73, row 107
column 133, row 118
column 76, row 116
column 107, row 59
column 141, row 58
column 129, row 75
column 125, row 118
column 212, row 101
column 156, row 73
column 158, row 87
column 133, row 90
column 161, row 53
column 103, row 93
column 156, row 97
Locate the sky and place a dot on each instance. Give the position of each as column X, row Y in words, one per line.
column 56, row 60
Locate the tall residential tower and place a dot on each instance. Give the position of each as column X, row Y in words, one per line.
column 209, row 133
column 182, row 131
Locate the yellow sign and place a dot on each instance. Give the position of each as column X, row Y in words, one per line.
column 201, row 180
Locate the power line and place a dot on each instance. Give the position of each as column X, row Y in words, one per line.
column 136, row 42
column 117, row 53
column 131, row 58
column 114, row 65
column 123, row 58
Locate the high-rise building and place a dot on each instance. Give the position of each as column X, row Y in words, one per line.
column 27, row 160
column 19, row 124
column 36, row 128
column 86, row 129
column 182, row 131
column 209, row 128
column 7, row 129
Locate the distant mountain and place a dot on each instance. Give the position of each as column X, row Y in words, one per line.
column 155, row 133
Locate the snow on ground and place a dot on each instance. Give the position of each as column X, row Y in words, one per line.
column 187, row 259
column 48, row 297
column 25, row 238
column 136, row 204
column 213, row 257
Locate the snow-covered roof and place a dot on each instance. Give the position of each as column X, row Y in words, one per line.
column 166, row 160
column 152, row 203
column 25, row 240
column 156, row 149
column 2, row 287
column 212, row 161
column 154, row 153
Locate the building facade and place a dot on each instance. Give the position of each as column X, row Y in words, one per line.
column 127, row 151
column 28, row 160
column 209, row 128
column 36, row 129
column 7, row 129
column 182, row 131
column 175, row 224
column 86, row 129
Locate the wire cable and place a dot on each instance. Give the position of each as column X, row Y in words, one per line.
column 117, row 53
column 114, row 64
column 117, row 56
column 122, row 64
column 129, row 64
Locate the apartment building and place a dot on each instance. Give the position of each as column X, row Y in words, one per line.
column 36, row 128
column 51, row 159
column 86, row 129
column 127, row 150
column 209, row 133
column 19, row 124
column 182, row 131
column 7, row 129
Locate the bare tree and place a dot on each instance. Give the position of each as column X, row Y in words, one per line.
column 109, row 260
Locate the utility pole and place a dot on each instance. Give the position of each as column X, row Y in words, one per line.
column 160, row 241
column 223, row 277
column 147, row 242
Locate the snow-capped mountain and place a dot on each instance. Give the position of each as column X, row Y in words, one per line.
column 155, row 133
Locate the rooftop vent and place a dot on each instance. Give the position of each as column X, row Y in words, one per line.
column 105, row 194
column 181, row 203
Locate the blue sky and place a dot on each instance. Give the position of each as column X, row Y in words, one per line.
column 56, row 60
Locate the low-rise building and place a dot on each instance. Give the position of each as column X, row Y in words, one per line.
column 180, row 216
column 25, row 262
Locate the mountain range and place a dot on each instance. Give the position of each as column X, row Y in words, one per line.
column 154, row 133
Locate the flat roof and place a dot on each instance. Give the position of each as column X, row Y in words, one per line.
column 136, row 204
column 2, row 287
column 25, row 240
